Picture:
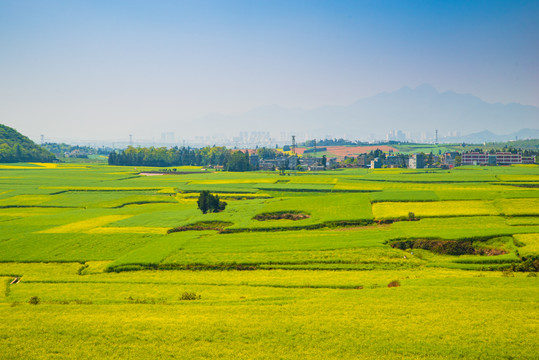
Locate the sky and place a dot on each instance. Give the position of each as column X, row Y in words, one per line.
column 105, row 69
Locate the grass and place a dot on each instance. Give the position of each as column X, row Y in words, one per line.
column 92, row 242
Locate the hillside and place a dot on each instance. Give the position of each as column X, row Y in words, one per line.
column 15, row 147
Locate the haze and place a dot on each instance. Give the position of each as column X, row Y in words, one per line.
column 106, row 69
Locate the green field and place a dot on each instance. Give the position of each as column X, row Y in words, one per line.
column 90, row 244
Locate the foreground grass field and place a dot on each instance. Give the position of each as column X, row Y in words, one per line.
column 90, row 266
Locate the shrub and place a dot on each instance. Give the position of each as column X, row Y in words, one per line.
column 82, row 268
column 83, row 302
column 34, row 300
column 403, row 244
column 508, row 272
column 190, row 296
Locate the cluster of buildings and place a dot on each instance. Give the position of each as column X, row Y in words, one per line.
column 413, row 161
column 391, row 161
column 497, row 158
column 446, row 160
column 292, row 163
column 454, row 158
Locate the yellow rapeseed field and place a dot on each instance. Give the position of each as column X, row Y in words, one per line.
column 357, row 186
column 128, row 230
column 100, row 188
column 531, row 241
column 37, row 167
column 46, row 165
column 85, row 225
column 385, row 210
column 25, row 199
column 225, row 195
column 233, row 181
column 518, row 206
column 26, row 212
column 517, row 177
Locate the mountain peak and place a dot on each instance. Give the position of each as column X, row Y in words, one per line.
column 426, row 88
column 423, row 89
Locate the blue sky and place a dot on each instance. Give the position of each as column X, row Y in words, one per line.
column 101, row 69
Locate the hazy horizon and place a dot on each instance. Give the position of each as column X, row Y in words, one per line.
column 103, row 70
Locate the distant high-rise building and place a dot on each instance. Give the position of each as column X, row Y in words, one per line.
column 416, row 161
column 167, row 137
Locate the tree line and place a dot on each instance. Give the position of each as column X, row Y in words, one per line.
column 231, row 160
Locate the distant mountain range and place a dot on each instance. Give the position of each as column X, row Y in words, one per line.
column 487, row 136
column 422, row 109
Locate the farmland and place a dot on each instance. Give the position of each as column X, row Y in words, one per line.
column 125, row 265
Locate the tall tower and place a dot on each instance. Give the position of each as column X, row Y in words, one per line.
column 42, row 139
column 130, row 140
column 294, row 144
column 436, row 141
column 314, row 143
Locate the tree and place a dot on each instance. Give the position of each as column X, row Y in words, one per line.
column 203, row 201
column 213, row 203
column 265, row 153
column 210, row 203
column 239, row 161
column 430, row 158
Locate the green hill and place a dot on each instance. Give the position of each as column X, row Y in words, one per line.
column 15, row 147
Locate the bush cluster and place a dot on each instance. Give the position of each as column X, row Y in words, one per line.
column 202, row 225
column 279, row 215
column 528, row 264
column 444, row 247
